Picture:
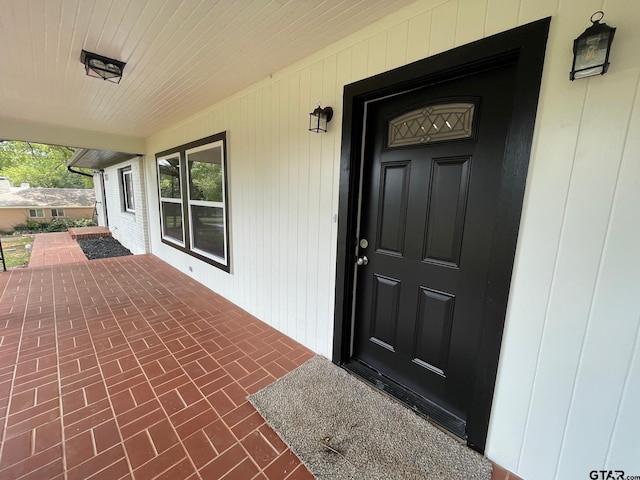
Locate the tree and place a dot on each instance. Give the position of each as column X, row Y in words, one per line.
column 40, row 165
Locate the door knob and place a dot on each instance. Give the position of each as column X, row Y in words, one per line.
column 363, row 260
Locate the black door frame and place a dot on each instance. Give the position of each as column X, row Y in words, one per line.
column 524, row 46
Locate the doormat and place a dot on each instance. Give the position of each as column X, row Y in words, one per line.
column 341, row 428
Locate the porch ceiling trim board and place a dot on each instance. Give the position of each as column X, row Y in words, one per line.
column 28, row 131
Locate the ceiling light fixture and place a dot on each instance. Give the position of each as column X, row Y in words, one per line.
column 105, row 68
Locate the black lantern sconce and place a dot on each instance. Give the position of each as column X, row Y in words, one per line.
column 591, row 49
column 319, row 118
column 105, row 68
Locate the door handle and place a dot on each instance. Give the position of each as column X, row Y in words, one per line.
column 363, row 260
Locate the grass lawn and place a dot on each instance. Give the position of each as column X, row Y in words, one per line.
column 15, row 253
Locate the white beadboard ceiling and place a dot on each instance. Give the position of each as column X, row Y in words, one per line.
column 181, row 55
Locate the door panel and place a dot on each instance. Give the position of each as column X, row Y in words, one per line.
column 385, row 311
column 392, row 209
column 433, row 330
column 432, row 164
column 447, row 204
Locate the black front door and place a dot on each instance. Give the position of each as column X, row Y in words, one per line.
column 431, row 181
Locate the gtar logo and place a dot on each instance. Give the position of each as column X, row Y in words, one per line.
column 606, row 475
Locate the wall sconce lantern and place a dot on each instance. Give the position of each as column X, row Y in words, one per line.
column 319, row 118
column 591, row 49
column 105, row 68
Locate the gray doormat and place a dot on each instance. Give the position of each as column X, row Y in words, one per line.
column 342, row 429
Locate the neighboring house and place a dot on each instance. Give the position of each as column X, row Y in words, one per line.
column 20, row 205
column 240, row 196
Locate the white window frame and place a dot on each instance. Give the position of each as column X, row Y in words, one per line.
column 57, row 213
column 202, row 203
column 171, row 200
column 36, row 213
column 128, row 199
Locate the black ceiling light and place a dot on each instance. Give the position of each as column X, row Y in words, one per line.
column 105, row 68
column 319, row 118
column 591, row 49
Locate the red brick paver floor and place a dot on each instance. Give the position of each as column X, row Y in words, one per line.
column 125, row 368
column 55, row 249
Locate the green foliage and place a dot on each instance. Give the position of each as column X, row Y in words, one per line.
column 55, row 225
column 63, row 224
column 39, row 165
column 30, row 226
column 16, row 252
column 170, row 178
column 206, row 181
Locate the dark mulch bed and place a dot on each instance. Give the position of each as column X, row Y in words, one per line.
column 102, row 247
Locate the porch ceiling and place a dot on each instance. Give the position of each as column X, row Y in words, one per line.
column 181, row 55
column 97, row 159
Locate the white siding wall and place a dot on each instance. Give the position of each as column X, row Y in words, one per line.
column 130, row 229
column 569, row 379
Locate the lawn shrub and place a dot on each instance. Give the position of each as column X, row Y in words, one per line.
column 55, row 225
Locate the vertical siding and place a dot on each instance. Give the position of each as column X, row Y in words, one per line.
column 569, row 378
column 501, row 15
column 470, row 23
column 607, row 379
column 443, row 27
column 418, row 37
column 570, row 305
column 572, row 328
column 396, row 54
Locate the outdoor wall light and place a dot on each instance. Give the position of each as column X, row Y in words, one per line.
column 591, row 49
column 105, row 68
column 319, row 118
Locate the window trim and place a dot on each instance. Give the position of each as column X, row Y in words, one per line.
column 128, row 197
column 57, row 215
column 187, row 245
column 36, row 210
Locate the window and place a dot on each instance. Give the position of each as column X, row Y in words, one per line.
column 169, row 181
column 126, row 190
column 431, row 124
column 206, row 207
column 36, row 213
column 57, row 212
column 192, row 185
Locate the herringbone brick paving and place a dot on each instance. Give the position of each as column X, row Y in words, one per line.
column 127, row 369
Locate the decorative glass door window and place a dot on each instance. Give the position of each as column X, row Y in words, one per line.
column 431, row 124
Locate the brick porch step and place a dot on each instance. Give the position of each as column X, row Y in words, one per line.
column 89, row 232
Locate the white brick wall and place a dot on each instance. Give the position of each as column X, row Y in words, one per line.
column 129, row 228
